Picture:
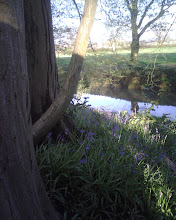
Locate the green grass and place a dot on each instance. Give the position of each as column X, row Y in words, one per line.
column 164, row 55
column 115, row 169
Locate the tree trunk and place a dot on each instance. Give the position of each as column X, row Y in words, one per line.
column 22, row 194
column 135, row 35
column 60, row 104
column 134, row 47
column 41, row 58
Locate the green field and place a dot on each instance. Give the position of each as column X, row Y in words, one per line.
column 162, row 56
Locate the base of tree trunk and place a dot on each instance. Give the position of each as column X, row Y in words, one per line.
column 65, row 129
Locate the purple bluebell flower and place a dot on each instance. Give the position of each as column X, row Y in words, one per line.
column 132, row 168
column 122, row 152
column 139, row 157
column 136, row 159
column 102, row 155
column 66, row 131
column 135, row 135
column 116, row 127
column 90, row 135
column 87, row 147
column 91, row 138
column 160, row 157
column 95, row 123
column 83, row 160
column 82, row 131
column 137, row 145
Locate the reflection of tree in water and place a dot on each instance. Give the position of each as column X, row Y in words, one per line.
column 134, row 107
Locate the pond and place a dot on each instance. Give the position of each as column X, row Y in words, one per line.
column 117, row 100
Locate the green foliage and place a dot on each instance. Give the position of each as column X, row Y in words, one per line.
column 116, row 169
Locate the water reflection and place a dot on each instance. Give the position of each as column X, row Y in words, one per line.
column 134, row 107
column 132, row 101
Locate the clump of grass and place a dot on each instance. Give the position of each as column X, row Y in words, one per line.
column 116, row 169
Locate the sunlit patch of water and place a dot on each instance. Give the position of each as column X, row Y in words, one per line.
column 117, row 105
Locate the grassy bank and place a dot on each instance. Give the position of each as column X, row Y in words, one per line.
column 118, row 168
column 156, row 69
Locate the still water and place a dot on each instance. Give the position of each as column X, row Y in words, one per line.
column 132, row 100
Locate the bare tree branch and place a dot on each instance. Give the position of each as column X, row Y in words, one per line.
column 80, row 16
column 128, row 5
column 161, row 13
column 169, row 29
column 145, row 12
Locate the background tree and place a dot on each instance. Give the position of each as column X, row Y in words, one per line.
column 159, row 29
column 66, row 21
column 139, row 15
column 115, row 37
column 21, row 189
column 162, row 29
column 65, row 38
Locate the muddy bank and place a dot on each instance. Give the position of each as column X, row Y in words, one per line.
column 159, row 78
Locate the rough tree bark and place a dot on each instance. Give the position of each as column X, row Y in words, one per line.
column 135, row 35
column 41, row 58
column 60, row 104
column 22, row 194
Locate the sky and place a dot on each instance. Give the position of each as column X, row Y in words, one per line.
column 100, row 34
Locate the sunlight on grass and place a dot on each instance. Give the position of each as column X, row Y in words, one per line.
column 147, row 56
